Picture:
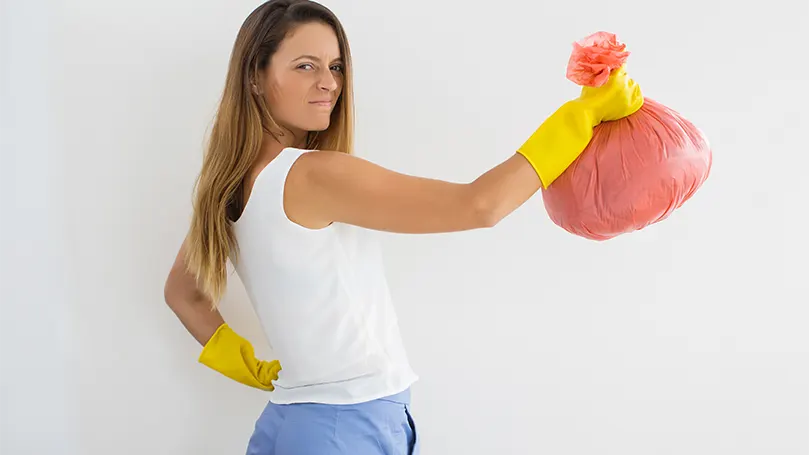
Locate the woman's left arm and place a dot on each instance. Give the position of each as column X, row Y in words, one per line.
column 223, row 350
column 191, row 307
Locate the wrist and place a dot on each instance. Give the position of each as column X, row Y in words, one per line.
column 579, row 112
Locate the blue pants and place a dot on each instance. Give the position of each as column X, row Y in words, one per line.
column 383, row 426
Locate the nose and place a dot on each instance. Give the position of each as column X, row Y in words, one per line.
column 327, row 81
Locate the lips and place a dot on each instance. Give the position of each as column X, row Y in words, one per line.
column 326, row 103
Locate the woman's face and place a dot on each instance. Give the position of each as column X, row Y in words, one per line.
column 304, row 79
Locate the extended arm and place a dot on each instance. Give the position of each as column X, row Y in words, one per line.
column 325, row 186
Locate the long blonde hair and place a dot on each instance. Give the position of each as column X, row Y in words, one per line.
column 236, row 136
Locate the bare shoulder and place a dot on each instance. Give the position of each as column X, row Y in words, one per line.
column 307, row 177
column 329, row 170
column 321, row 163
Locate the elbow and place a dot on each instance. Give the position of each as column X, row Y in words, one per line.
column 485, row 211
column 179, row 291
column 173, row 291
column 491, row 219
column 169, row 293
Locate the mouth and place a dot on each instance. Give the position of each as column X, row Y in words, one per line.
column 321, row 103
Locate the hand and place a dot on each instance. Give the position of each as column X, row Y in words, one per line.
column 563, row 136
column 233, row 356
column 619, row 97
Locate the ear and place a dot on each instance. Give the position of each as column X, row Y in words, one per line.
column 255, row 88
column 256, row 82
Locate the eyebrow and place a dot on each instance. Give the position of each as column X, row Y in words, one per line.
column 312, row 57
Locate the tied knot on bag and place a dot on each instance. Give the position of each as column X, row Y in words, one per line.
column 594, row 58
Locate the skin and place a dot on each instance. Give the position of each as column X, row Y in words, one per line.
column 301, row 85
column 304, row 79
column 327, row 186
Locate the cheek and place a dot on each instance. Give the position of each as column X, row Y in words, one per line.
column 288, row 94
column 275, row 96
column 279, row 100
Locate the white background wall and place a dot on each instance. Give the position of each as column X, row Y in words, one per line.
column 686, row 338
column 37, row 342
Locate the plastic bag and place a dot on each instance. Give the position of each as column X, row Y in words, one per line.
column 635, row 171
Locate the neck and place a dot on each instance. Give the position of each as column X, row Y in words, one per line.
column 271, row 145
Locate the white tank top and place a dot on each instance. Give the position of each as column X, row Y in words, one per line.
column 322, row 298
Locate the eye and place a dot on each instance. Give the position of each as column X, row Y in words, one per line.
column 338, row 68
column 305, row 65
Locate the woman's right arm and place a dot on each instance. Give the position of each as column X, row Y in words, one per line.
column 333, row 186
column 325, row 186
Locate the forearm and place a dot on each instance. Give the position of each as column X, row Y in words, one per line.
column 196, row 315
column 507, row 186
column 194, row 310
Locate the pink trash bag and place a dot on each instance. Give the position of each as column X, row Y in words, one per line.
column 635, row 171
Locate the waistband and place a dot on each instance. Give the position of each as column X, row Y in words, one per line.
column 402, row 397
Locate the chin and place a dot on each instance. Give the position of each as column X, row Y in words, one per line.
column 319, row 126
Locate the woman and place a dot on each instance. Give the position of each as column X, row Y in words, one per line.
column 281, row 195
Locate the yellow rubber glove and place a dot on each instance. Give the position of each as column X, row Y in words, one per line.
column 558, row 141
column 232, row 355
